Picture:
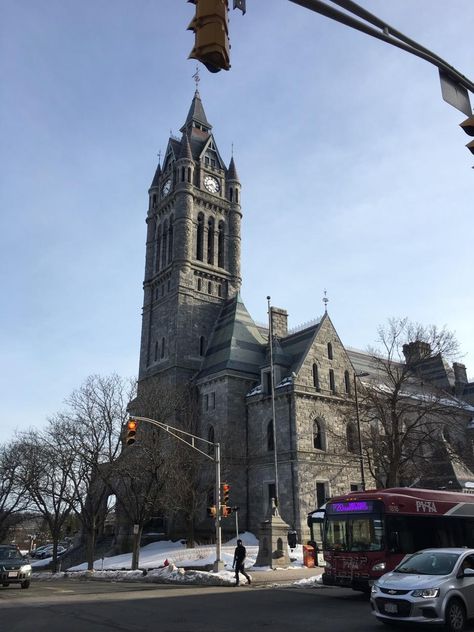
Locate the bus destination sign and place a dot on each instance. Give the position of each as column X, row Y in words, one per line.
column 351, row 506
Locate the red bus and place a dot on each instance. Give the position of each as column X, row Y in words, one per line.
column 366, row 534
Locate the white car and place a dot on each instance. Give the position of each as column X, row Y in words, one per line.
column 434, row 586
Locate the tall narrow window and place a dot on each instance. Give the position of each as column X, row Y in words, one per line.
column 329, row 350
column 156, row 350
column 220, row 245
column 170, row 240
column 210, row 438
column 202, row 345
column 163, row 349
column 199, row 285
column 200, row 237
column 231, row 194
column 158, row 249
column 318, row 435
column 315, row 377
column 210, row 241
column 347, row 382
column 320, row 494
column 270, row 436
column 352, row 440
column 332, row 383
column 164, row 244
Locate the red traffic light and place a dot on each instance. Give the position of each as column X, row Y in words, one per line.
column 225, row 491
column 210, row 26
column 131, row 431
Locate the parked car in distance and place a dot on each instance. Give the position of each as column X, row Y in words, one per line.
column 47, row 551
column 434, row 586
column 14, row 567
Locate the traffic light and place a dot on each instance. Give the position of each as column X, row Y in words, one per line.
column 131, row 431
column 212, row 511
column 226, row 511
column 210, row 26
column 468, row 127
column 225, row 490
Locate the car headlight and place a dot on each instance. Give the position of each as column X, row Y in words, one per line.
column 374, row 589
column 426, row 593
column 380, row 566
column 25, row 569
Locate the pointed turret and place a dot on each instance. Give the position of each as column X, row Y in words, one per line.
column 156, row 178
column 196, row 116
column 185, row 149
column 232, row 171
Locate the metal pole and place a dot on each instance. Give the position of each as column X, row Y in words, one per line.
column 361, row 456
column 272, row 377
column 237, row 523
column 218, row 564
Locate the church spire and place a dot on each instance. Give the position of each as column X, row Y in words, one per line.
column 232, row 171
column 196, row 116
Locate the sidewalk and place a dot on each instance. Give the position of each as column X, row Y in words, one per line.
column 283, row 576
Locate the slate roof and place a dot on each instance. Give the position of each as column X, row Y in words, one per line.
column 236, row 343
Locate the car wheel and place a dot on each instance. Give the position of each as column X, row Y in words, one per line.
column 455, row 616
column 25, row 584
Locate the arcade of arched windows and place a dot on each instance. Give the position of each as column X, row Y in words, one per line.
column 164, row 244
column 210, row 241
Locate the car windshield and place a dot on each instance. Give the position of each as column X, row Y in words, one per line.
column 428, row 563
column 7, row 553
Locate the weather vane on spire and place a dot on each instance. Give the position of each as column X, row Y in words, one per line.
column 325, row 301
column 197, row 78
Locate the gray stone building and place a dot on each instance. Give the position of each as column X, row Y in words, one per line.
column 197, row 329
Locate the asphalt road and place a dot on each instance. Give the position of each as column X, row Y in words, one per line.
column 91, row 606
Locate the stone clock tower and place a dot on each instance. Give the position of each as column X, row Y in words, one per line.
column 192, row 251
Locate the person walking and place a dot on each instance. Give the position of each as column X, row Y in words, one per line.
column 239, row 559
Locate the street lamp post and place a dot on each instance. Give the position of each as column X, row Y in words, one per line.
column 361, row 455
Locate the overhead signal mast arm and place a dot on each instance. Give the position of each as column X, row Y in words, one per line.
column 455, row 86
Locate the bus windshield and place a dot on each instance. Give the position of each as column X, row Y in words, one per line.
column 352, row 532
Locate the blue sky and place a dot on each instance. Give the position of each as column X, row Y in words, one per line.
column 355, row 176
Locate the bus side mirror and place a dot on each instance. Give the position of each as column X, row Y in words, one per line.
column 394, row 542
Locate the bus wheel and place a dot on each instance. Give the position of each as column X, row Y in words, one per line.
column 455, row 616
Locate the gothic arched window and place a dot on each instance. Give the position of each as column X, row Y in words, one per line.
column 157, row 249
column 347, row 382
column 270, row 436
column 319, row 442
column 351, row 436
column 210, row 241
column 330, row 351
column 220, row 245
column 315, row 377
column 170, row 240
column 332, row 382
column 164, row 244
column 163, row 348
column 202, row 346
column 200, row 237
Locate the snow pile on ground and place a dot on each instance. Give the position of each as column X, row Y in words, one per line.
column 174, row 563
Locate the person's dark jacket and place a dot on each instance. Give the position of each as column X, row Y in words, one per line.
column 240, row 554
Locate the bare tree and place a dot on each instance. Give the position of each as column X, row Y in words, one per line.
column 404, row 415
column 13, row 498
column 90, row 428
column 45, row 472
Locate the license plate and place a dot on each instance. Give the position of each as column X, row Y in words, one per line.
column 392, row 608
column 12, row 574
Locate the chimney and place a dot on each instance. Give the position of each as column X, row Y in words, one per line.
column 416, row 351
column 460, row 374
column 279, row 319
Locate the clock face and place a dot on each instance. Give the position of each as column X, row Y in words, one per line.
column 211, row 184
column 165, row 189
